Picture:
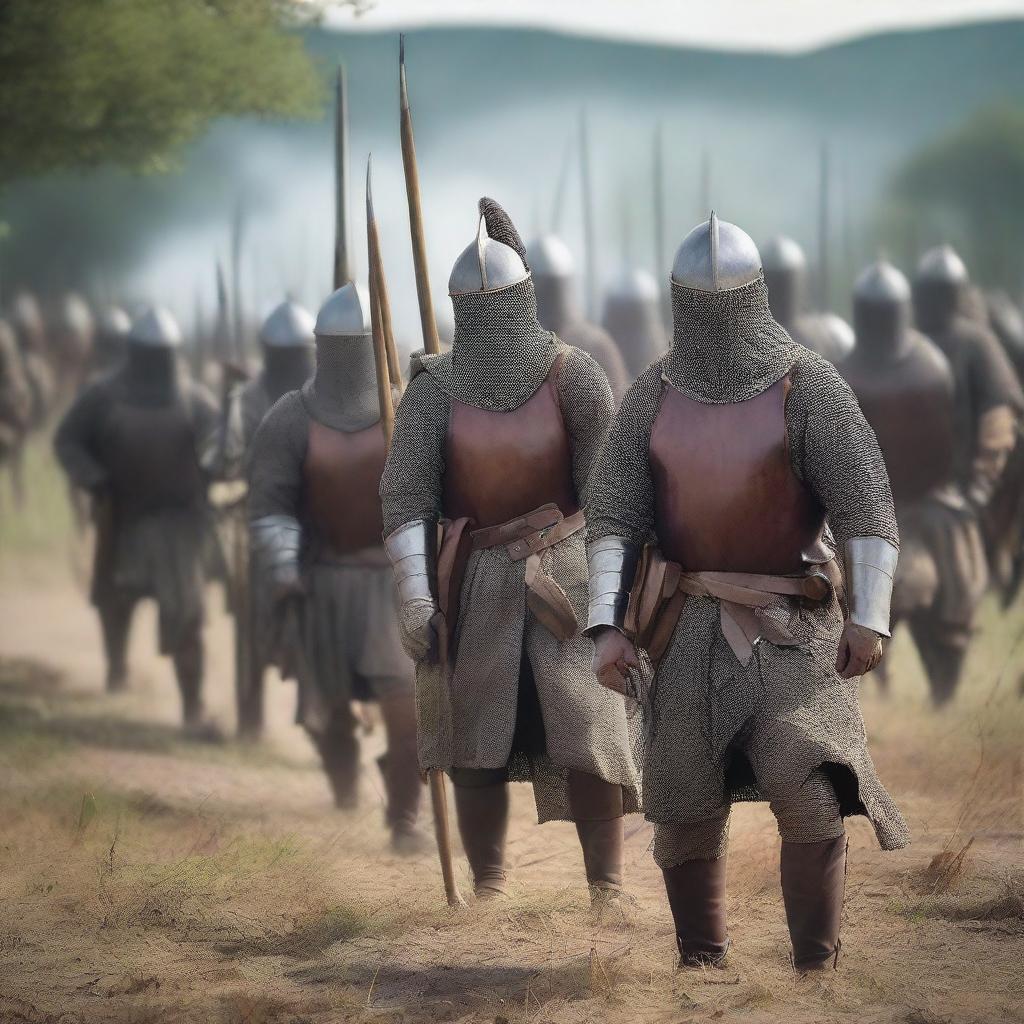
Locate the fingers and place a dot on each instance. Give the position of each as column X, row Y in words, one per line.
column 611, row 677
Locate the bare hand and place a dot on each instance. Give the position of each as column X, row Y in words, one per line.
column 860, row 651
column 614, row 656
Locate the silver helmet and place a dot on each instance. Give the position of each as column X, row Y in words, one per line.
column 156, row 328
column 783, row 255
column 941, row 265
column 486, row 265
column 839, row 336
column 716, row 256
column 115, row 322
column 549, row 256
column 346, row 313
column 882, row 284
column 288, row 326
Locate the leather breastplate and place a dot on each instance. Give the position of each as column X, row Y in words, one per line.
column 726, row 497
column 150, row 454
column 909, row 405
column 500, row 465
column 342, row 474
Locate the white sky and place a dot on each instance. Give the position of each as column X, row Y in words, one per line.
column 780, row 25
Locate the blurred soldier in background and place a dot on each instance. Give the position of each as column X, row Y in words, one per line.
column 559, row 310
column 632, row 316
column 906, row 390
column 111, row 339
column 739, row 606
column 71, row 339
column 988, row 400
column 131, row 440
column 785, row 274
column 287, row 342
column 496, row 440
column 314, row 476
column 15, row 395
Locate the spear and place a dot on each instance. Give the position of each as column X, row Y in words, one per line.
column 659, row 201
column 379, row 316
column 431, row 342
column 588, row 218
column 237, row 230
column 705, row 185
column 823, row 229
column 381, row 306
column 342, row 270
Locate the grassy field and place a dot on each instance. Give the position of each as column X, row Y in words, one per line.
column 145, row 878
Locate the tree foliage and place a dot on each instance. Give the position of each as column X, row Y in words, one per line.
column 968, row 185
column 128, row 82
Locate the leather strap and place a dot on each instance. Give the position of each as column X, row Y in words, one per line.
column 530, row 534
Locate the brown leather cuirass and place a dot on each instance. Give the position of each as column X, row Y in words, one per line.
column 150, row 454
column 909, row 404
column 726, row 497
column 500, row 465
column 342, row 475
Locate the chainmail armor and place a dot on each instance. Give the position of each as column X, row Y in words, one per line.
column 787, row 712
column 468, row 720
column 342, row 393
column 726, row 347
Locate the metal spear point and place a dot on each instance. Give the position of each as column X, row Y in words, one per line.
column 379, row 314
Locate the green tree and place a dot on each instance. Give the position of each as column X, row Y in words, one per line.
column 967, row 187
column 128, row 83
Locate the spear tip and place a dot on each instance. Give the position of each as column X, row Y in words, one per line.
column 369, row 191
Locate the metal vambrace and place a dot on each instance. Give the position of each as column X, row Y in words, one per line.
column 277, row 540
column 612, row 562
column 412, row 549
column 870, row 568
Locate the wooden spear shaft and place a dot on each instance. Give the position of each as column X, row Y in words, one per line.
column 381, row 315
column 431, row 342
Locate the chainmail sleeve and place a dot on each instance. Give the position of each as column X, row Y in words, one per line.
column 278, row 452
column 587, row 408
column 621, row 493
column 834, row 451
column 411, row 486
column 74, row 441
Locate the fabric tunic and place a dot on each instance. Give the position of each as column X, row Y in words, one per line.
column 349, row 623
column 469, row 720
column 702, row 702
column 140, row 459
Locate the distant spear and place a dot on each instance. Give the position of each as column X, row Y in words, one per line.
column 237, row 327
column 705, row 186
column 560, row 186
column 222, row 330
column 428, row 325
column 823, row 229
column 659, row 201
column 342, row 268
column 380, row 302
column 589, row 241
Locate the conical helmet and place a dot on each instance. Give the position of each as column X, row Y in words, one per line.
column 716, row 256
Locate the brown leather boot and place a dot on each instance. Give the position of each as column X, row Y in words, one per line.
column 482, row 812
column 400, row 769
column 696, row 894
column 596, row 807
column 339, row 752
column 813, row 886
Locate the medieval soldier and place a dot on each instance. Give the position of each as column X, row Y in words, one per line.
column 632, row 316
column 905, row 387
column 558, row 310
column 988, row 400
column 15, row 397
column 785, row 275
column 494, row 442
column 131, row 440
column 287, row 341
column 725, row 458
column 314, row 475
column 72, row 335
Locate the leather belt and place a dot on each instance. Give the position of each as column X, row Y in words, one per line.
column 530, row 534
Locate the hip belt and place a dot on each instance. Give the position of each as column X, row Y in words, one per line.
column 661, row 590
column 525, row 538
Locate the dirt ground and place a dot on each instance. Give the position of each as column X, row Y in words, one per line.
column 145, row 878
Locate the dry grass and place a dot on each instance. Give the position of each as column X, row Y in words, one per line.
column 143, row 878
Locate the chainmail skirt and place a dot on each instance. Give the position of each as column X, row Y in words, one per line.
column 469, row 720
column 715, row 727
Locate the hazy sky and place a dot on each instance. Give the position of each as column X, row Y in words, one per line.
column 781, row 25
